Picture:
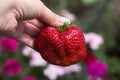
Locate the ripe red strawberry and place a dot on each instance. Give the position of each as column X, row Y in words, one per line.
column 61, row 47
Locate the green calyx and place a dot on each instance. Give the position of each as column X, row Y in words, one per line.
column 63, row 27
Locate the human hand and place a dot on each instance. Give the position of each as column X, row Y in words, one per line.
column 22, row 19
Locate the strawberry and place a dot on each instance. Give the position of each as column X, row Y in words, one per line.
column 61, row 46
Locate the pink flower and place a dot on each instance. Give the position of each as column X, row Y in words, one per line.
column 29, row 78
column 12, row 67
column 52, row 71
column 9, row 44
column 96, row 69
column 94, row 40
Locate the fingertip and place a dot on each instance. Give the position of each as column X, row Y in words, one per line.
column 51, row 18
column 63, row 19
column 26, row 40
column 60, row 21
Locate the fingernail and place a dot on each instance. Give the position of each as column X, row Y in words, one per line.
column 60, row 21
column 63, row 19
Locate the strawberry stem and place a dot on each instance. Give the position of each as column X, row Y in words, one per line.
column 63, row 27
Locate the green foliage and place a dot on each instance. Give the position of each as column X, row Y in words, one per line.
column 90, row 2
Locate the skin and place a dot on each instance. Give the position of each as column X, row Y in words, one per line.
column 22, row 19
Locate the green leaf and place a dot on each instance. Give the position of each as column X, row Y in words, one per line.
column 63, row 27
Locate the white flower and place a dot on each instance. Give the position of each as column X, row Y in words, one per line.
column 68, row 15
column 94, row 40
column 52, row 71
column 72, row 68
column 27, row 51
column 36, row 59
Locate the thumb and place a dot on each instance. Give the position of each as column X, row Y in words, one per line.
column 31, row 9
column 51, row 18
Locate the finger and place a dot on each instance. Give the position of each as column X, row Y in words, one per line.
column 21, row 36
column 25, row 39
column 50, row 17
column 36, row 23
column 31, row 29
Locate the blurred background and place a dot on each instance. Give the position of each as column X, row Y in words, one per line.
column 99, row 19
